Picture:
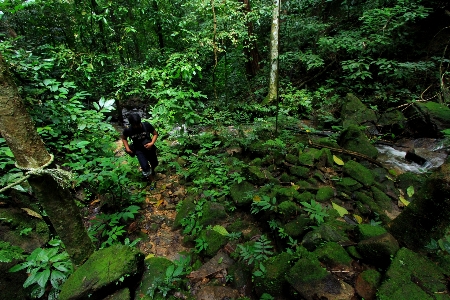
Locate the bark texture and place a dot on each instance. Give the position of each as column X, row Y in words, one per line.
column 17, row 127
column 273, row 79
column 250, row 47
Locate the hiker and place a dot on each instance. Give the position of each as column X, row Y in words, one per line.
column 143, row 146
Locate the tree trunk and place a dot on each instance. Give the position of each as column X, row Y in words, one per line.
column 250, row 48
column 17, row 127
column 158, row 27
column 273, row 79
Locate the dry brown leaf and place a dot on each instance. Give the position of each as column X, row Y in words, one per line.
column 32, row 213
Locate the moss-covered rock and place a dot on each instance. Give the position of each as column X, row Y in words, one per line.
column 155, row 272
column 239, row 193
column 366, row 231
column 367, row 283
column 305, row 186
column 297, row 227
column 412, row 276
column 212, row 212
column 305, row 197
column 334, row 255
column 260, row 176
column 274, row 282
column 348, row 185
column 354, row 112
column 353, row 139
column 214, row 240
column 106, row 271
column 324, row 194
column 383, row 201
column 374, row 207
column 308, row 157
column 123, row 294
column 378, row 250
column 288, row 209
column 428, row 215
column 241, row 275
column 299, row 171
column 324, row 233
column 285, row 177
column 358, row 172
column 187, row 207
column 292, row 159
column 285, row 193
column 325, row 158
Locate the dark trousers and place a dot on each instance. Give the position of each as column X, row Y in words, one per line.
column 146, row 156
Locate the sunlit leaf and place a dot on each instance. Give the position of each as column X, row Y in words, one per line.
column 337, row 160
column 358, row 219
column 32, row 213
column 410, row 191
column 341, row 210
column 220, row 229
column 404, row 201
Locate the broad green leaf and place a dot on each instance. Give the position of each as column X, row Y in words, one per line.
column 169, row 270
column 410, row 191
column 17, row 268
column 42, row 277
column 31, row 278
column 341, row 210
column 404, row 201
column 337, row 160
column 220, row 229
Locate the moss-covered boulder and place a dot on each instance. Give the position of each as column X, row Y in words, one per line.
column 379, row 249
column 367, row 283
column 322, row 234
column 358, row 172
column 214, row 240
column 334, row 256
column 155, row 272
column 354, row 112
column 383, row 201
column 367, row 231
column 312, row 281
column 299, row 171
column 297, row 227
column 285, row 193
column 212, row 212
column 324, row 194
column 428, row 215
column 123, row 294
column 274, row 281
column 105, row 272
column 429, row 118
column 308, row 157
column 288, row 209
column 14, row 221
column 260, row 176
column 305, row 197
column 292, row 159
column 353, row 139
column 239, row 193
column 348, row 185
column 187, row 207
column 413, row 276
column 372, row 205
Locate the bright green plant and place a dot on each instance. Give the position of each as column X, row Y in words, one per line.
column 256, row 253
column 263, row 203
column 9, row 252
column 47, row 268
column 200, row 245
column 172, row 279
column 315, row 211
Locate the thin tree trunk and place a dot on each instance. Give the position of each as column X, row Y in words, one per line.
column 158, row 27
column 17, row 127
column 273, row 78
column 250, row 48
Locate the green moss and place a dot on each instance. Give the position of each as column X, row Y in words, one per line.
column 297, row 227
column 301, row 172
column 212, row 212
column 353, row 139
column 324, row 194
column 304, row 185
column 334, row 255
column 366, row 231
column 412, row 276
column 292, row 159
column 307, row 158
column 155, row 271
column 325, row 158
column 274, row 281
column 240, row 273
column 285, row 193
column 327, row 142
column 123, row 294
column 305, row 197
column 239, row 191
column 383, row 201
column 288, row 209
column 285, row 177
column 363, row 198
column 306, row 270
column 214, row 240
column 358, row 172
column 256, row 162
column 103, row 271
column 372, row 277
column 260, row 176
column 353, row 252
column 348, row 185
column 186, row 208
column 322, row 234
column 354, row 112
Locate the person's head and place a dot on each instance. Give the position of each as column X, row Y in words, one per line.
column 135, row 120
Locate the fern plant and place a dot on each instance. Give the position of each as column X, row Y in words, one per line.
column 315, row 211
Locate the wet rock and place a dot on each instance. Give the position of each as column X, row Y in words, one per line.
column 105, row 271
column 378, row 250
column 297, row 227
column 186, row 208
column 211, row 213
column 428, row 119
column 214, row 240
column 413, row 276
column 123, row 294
column 219, row 262
column 208, row 292
column 353, row 139
column 348, row 185
column 367, row 283
column 392, row 121
column 334, row 256
column 367, row 231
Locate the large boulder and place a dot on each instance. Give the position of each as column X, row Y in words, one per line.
column 428, row 119
column 354, row 112
column 354, row 139
column 106, row 271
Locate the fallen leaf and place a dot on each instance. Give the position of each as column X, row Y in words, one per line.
column 337, row 160
column 358, row 219
column 341, row 210
column 32, row 213
column 410, row 191
column 404, row 201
